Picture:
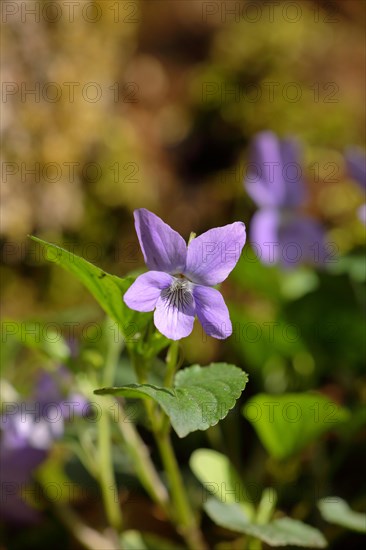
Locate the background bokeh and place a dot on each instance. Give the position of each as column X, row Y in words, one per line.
column 111, row 106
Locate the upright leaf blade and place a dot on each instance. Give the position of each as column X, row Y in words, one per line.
column 201, row 396
column 107, row 289
column 214, row 471
column 218, row 476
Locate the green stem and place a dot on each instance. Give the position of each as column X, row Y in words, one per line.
column 141, row 373
column 144, row 468
column 183, row 515
column 171, row 364
column 171, row 368
column 106, row 478
column 106, row 474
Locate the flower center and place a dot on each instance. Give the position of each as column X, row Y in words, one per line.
column 178, row 294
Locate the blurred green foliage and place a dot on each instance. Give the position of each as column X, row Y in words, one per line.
column 182, row 96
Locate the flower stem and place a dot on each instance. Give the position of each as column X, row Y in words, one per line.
column 144, row 468
column 106, row 475
column 183, row 515
column 171, row 364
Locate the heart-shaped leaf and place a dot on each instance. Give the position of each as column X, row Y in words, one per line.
column 336, row 510
column 287, row 423
column 279, row 532
column 200, row 398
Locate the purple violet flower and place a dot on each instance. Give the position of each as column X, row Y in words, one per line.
column 178, row 287
column 276, row 185
column 356, row 167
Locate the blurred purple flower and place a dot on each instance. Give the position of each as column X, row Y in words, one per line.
column 28, row 430
column 17, row 466
column 356, row 167
column 275, row 183
column 178, row 285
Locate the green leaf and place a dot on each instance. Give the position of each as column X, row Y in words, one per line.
column 336, row 510
column 218, row 476
column 200, row 398
column 107, row 289
column 279, row 532
column 287, row 423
